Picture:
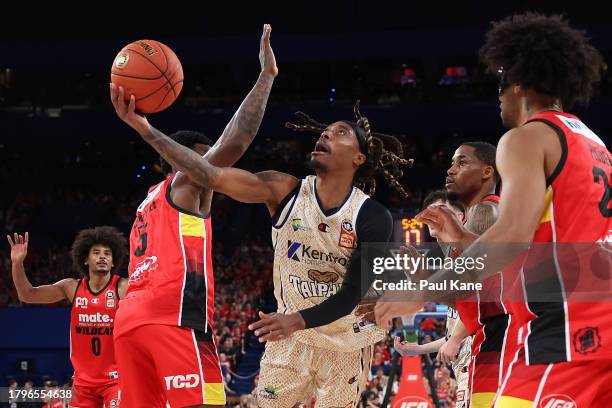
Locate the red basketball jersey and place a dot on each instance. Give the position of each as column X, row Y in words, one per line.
column 92, row 320
column 170, row 271
column 487, row 303
column 571, row 324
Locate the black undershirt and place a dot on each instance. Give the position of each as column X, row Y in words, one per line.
column 374, row 224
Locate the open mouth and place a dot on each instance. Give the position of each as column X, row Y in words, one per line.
column 449, row 181
column 102, row 264
column 320, row 148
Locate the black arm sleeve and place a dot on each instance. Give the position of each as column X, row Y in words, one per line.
column 373, row 224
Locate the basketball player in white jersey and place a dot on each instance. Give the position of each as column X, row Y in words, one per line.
column 320, row 224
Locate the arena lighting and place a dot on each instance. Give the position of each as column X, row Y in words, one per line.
column 454, row 75
column 408, row 76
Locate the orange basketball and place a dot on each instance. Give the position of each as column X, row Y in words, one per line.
column 151, row 72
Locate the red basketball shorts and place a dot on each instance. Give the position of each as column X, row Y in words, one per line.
column 160, row 363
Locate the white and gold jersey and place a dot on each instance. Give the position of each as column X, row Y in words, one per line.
column 311, row 254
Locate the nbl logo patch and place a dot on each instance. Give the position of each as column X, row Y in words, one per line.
column 347, row 235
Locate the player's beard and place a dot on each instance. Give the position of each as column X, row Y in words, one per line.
column 317, row 166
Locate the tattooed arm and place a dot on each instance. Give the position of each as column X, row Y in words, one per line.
column 242, row 128
column 481, row 217
column 239, row 132
column 450, row 229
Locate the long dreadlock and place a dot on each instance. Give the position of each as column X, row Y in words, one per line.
column 385, row 153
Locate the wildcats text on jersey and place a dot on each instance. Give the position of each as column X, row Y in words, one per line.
column 92, row 324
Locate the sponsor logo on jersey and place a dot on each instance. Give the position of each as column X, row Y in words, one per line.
column 182, row 381
column 323, row 227
column 362, row 325
column 304, row 253
column 557, row 401
column 114, row 403
column 296, row 225
column 110, row 294
column 113, row 375
column 322, row 284
column 460, row 395
column 347, row 235
column 269, row 391
column 587, row 340
column 148, row 264
column 81, row 302
column 94, row 318
column 110, row 303
column 94, row 331
column 95, row 301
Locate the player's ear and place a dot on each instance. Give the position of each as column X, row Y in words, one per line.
column 517, row 90
column 359, row 159
column 488, row 172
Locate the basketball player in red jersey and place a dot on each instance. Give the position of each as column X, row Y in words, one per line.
column 473, row 177
column 96, row 253
column 164, row 339
column 556, row 189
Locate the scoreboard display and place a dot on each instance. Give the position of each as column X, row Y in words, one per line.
column 407, row 230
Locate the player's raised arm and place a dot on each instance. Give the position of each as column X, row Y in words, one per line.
column 34, row 294
column 242, row 128
column 239, row 132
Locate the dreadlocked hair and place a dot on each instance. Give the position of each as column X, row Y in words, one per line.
column 385, row 154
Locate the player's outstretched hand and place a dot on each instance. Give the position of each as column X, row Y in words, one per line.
column 127, row 112
column 406, row 348
column 266, row 55
column 445, row 221
column 19, row 247
column 276, row 326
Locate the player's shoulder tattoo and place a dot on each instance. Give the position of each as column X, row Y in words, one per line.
column 481, row 217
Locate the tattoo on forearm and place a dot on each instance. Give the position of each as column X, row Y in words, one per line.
column 250, row 113
column 181, row 158
column 481, row 218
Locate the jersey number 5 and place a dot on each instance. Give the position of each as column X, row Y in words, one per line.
column 142, row 245
column 604, row 204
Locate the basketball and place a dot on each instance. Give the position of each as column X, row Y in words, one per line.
column 151, row 72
